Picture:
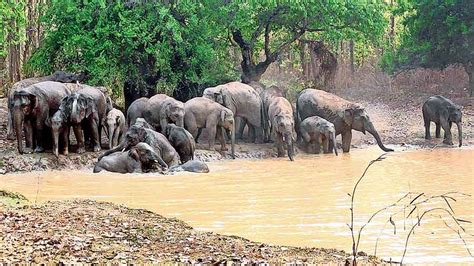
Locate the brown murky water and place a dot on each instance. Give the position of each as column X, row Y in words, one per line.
column 301, row 203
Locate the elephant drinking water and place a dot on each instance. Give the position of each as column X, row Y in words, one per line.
column 345, row 115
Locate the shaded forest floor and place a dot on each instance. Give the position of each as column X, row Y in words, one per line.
column 88, row 231
column 395, row 112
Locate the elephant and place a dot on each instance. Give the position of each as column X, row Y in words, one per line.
column 138, row 159
column 114, row 125
column 244, row 102
column 85, row 109
column 194, row 166
column 31, row 107
column 161, row 110
column 343, row 114
column 443, row 112
column 141, row 122
column 282, row 126
column 257, row 86
column 135, row 110
column 201, row 112
column 167, row 155
column 316, row 131
column 60, row 129
column 58, row 76
column 182, row 141
column 267, row 95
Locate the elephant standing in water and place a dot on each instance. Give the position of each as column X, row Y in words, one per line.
column 182, row 141
column 315, row 131
column 201, row 113
column 343, row 114
column 443, row 112
column 282, row 125
column 267, row 96
column 244, row 102
column 31, row 108
column 114, row 126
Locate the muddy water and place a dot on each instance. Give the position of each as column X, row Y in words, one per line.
column 301, row 203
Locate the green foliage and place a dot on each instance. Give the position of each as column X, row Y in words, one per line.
column 145, row 41
column 437, row 33
column 12, row 24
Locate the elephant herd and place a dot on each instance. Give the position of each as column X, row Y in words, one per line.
column 163, row 131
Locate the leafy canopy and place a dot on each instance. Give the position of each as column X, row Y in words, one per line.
column 436, row 33
column 145, row 41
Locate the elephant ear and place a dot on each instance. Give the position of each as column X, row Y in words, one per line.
column 225, row 100
column 348, row 116
column 133, row 153
column 33, row 100
column 90, row 106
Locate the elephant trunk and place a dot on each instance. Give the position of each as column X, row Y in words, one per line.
column 459, row 124
column 55, row 132
column 18, row 118
column 180, row 121
column 333, row 140
column 289, row 144
column 374, row 133
column 232, row 142
column 111, row 136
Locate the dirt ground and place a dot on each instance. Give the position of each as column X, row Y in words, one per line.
column 85, row 231
column 395, row 112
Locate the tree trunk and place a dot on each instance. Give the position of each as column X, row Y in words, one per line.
column 469, row 67
column 351, row 52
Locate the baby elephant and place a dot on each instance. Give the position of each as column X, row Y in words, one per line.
column 444, row 113
column 315, row 130
column 191, row 166
column 139, row 158
column 182, row 141
column 282, row 125
column 114, row 126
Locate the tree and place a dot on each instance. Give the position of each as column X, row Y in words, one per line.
column 267, row 28
column 438, row 33
column 138, row 47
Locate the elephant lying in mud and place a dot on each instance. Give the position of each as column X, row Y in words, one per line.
column 443, row 112
column 138, row 159
column 345, row 115
column 167, row 155
column 316, row 131
column 282, row 126
column 194, row 166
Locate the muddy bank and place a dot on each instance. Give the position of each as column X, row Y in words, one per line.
column 92, row 232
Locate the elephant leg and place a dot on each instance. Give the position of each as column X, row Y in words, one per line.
column 239, row 125
column 116, row 137
column 95, row 128
column 79, row 138
column 212, row 137
column 330, row 146
column 65, row 140
column 447, row 132
column 427, row 127
column 39, row 137
column 199, row 131
column 317, row 145
column 450, row 124
column 28, row 136
column 279, row 143
column 438, row 130
column 326, row 145
column 221, row 137
column 346, row 140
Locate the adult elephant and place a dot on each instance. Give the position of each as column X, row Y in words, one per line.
column 85, row 108
column 443, row 112
column 244, row 102
column 58, row 76
column 345, row 115
column 267, row 96
column 201, row 113
column 31, row 107
column 282, row 126
column 136, row 110
column 161, row 110
column 167, row 155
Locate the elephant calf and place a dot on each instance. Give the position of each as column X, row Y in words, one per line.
column 282, row 125
column 194, row 166
column 182, row 141
column 114, row 126
column 444, row 113
column 316, row 130
column 138, row 159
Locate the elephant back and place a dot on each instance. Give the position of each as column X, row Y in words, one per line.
column 244, row 101
column 161, row 144
column 50, row 92
column 313, row 102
